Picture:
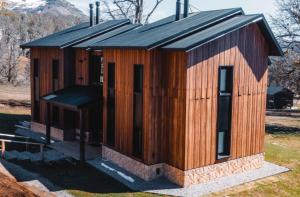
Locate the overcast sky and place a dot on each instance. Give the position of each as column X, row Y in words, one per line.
column 267, row 7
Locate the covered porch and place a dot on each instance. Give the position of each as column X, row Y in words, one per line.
column 75, row 99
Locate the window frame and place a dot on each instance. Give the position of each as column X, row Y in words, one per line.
column 138, row 91
column 36, row 90
column 55, row 75
column 227, row 139
column 111, row 105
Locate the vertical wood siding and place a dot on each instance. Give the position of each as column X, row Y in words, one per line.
column 247, row 51
column 45, row 57
column 82, row 67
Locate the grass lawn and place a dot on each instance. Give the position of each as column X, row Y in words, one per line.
column 9, row 116
column 282, row 146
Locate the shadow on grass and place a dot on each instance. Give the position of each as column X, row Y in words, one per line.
column 281, row 129
column 75, row 176
column 8, row 122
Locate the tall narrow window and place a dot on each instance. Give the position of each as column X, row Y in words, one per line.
column 36, row 90
column 138, row 111
column 224, row 111
column 111, row 105
column 55, row 74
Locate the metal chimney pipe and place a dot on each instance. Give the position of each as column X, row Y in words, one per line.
column 186, row 9
column 91, row 15
column 178, row 10
column 97, row 12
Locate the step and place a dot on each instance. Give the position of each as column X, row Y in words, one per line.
column 52, row 155
column 34, row 157
column 23, row 156
column 9, row 155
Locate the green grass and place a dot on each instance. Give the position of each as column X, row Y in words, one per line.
column 281, row 149
column 9, row 116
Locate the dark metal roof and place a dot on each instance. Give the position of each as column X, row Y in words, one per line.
column 225, row 27
column 74, row 97
column 107, row 35
column 166, row 30
column 75, row 34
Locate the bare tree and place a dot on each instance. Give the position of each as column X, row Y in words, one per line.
column 285, row 71
column 16, row 28
column 132, row 9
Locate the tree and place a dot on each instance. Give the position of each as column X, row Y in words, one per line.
column 285, row 71
column 17, row 28
column 132, row 9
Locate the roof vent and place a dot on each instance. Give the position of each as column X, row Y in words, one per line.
column 178, row 10
column 91, row 15
column 97, row 12
column 186, row 9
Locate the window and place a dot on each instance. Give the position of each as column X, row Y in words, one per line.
column 36, row 90
column 36, row 68
column 95, row 70
column 224, row 111
column 55, row 74
column 111, row 104
column 138, row 111
column 36, row 111
column 55, row 116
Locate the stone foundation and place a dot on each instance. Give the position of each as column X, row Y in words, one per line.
column 212, row 172
column 56, row 134
column 180, row 177
column 137, row 168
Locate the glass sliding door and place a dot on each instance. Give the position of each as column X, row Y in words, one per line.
column 224, row 111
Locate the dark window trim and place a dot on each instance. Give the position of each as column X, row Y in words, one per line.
column 227, row 155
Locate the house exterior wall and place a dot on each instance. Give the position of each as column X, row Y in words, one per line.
column 247, row 51
column 180, row 108
column 81, row 67
column 45, row 57
column 163, row 103
column 124, row 60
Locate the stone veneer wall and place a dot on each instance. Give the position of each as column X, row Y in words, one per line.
column 211, row 172
column 56, row 134
column 137, row 168
column 184, row 178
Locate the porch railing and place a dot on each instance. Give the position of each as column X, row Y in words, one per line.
column 15, row 141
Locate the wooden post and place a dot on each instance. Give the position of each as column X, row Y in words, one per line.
column 82, row 140
column 3, row 150
column 48, row 127
column 42, row 151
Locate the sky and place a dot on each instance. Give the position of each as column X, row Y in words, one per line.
column 266, row 7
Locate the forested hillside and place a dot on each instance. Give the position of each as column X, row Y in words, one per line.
column 20, row 26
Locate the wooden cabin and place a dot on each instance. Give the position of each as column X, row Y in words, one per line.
column 183, row 97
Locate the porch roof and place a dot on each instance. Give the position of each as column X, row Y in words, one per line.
column 74, row 97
